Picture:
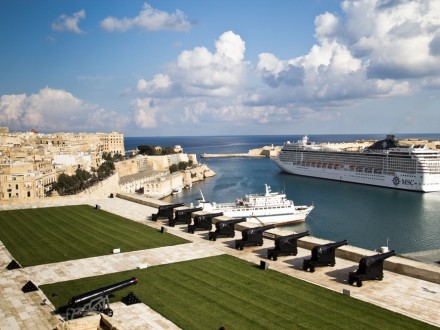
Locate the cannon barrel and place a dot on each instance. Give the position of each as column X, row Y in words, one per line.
column 255, row 230
column 370, row 260
column 289, row 239
column 207, row 216
column 260, row 229
column 169, row 206
column 320, row 249
column 165, row 211
column 293, row 236
column 186, row 211
column 223, row 223
column 104, row 291
column 335, row 245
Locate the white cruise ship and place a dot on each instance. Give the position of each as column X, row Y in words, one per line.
column 267, row 208
column 384, row 164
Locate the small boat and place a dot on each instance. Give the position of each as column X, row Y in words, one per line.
column 268, row 208
column 176, row 191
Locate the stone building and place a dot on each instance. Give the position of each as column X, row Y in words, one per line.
column 31, row 162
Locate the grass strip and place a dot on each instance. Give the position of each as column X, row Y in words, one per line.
column 54, row 234
column 227, row 291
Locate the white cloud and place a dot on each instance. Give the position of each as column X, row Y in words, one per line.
column 145, row 112
column 326, row 26
column 149, row 19
column 65, row 23
column 55, row 110
column 375, row 49
column 159, row 84
column 397, row 37
column 199, row 72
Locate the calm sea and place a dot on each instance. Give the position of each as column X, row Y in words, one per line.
column 364, row 215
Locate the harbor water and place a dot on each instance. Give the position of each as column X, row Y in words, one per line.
column 366, row 216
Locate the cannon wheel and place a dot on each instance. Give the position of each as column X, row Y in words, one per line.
column 359, row 283
column 108, row 312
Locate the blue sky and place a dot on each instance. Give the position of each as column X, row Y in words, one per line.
column 161, row 68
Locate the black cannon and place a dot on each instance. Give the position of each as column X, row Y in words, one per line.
column 95, row 301
column 287, row 245
column 183, row 216
column 323, row 255
column 252, row 236
column 203, row 222
column 224, row 228
column 165, row 211
column 370, row 268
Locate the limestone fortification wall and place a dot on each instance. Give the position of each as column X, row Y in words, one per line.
column 198, row 173
column 103, row 188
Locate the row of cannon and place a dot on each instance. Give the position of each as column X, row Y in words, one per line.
column 370, row 267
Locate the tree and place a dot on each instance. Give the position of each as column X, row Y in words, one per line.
column 147, row 150
column 182, row 166
column 173, row 168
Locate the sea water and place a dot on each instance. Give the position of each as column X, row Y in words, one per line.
column 367, row 216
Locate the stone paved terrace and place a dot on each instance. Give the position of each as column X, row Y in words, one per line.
column 410, row 296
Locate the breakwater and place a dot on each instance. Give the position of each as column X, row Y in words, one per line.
column 267, row 151
column 230, row 155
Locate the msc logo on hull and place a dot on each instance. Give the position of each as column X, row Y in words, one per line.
column 405, row 182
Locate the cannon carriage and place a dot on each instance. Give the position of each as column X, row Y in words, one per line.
column 165, row 211
column 95, row 301
column 252, row 236
column 285, row 245
column 323, row 255
column 183, row 216
column 203, row 222
column 370, row 268
column 224, row 228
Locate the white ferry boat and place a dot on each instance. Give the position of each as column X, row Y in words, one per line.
column 267, row 208
column 384, row 164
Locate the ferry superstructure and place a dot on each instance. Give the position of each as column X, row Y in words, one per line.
column 385, row 163
column 267, row 208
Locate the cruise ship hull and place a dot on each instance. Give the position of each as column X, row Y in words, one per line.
column 403, row 181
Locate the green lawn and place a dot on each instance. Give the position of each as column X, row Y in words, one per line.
column 226, row 291
column 54, row 234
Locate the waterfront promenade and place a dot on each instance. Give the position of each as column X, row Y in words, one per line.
column 407, row 295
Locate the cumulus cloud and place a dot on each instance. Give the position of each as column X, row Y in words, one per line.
column 396, row 37
column 55, row 110
column 145, row 112
column 375, row 49
column 149, row 19
column 65, row 23
column 199, row 72
column 159, row 84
